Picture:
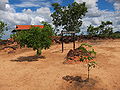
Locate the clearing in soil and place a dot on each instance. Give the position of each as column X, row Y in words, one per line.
column 22, row 70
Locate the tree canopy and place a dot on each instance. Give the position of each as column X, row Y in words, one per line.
column 35, row 38
column 3, row 27
column 102, row 30
column 69, row 17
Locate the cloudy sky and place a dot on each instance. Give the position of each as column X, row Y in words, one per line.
column 32, row 12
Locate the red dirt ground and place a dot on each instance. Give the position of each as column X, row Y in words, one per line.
column 23, row 71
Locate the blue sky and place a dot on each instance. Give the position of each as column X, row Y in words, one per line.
column 105, row 5
column 102, row 4
column 19, row 9
column 32, row 12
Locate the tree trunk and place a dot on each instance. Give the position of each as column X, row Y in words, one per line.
column 39, row 51
column 88, row 73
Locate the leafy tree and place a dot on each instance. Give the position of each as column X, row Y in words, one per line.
column 3, row 27
column 102, row 30
column 105, row 28
column 35, row 38
column 69, row 17
column 92, row 31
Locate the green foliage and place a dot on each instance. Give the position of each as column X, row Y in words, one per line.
column 35, row 38
column 69, row 17
column 103, row 30
column 92, row 31
column 115, row 35
column 3, row 27
column 88, row 55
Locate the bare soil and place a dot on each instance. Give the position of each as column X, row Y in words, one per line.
column 22, row 70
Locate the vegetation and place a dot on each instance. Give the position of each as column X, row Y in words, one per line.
column 69, row 17
column 90, row 65
column 115, row 35
column 3, row 27
column 103, row 30
column 84, row 53
column 87, row 55
column 35, row 38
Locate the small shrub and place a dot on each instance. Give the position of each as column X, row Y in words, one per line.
column 84, row 53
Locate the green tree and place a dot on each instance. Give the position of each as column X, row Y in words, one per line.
column 102, row 30
column 69, row 17
column 105, row 29
column 87, row 55
column 92, row 31
column 3, row 27
column 35, row 38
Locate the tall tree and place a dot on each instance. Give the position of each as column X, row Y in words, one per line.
column 69, row 17
column 3, row 27
column 92, row 31
column 105, row 28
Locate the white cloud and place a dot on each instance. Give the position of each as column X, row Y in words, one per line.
column 2, row 6
column 43, row 10
column 94, row 16
column 116, row 4
column 37, row 20
column 28, row 11
column 36, row 3
column 45, row 13
column 90, row 3
column 26, row 17
column 95, row 21
column 4, row 1
column 9, row 8
column 26, row 4
column 113, row 0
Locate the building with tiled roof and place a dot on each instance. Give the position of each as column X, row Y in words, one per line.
column 25, row 27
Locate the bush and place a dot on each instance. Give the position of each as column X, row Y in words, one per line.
column 35, row 38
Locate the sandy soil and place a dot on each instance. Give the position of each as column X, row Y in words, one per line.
column 23, row 71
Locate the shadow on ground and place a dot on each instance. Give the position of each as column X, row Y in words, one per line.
column 28, row 59
column 77, row 83
column 74, row 78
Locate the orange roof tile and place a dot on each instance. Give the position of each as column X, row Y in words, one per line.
column 25, row 27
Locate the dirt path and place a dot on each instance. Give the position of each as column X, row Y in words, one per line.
column 22, row 71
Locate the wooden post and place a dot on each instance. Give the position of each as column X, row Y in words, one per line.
column 73, row 35
column 73, row 41
column 62, row 42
